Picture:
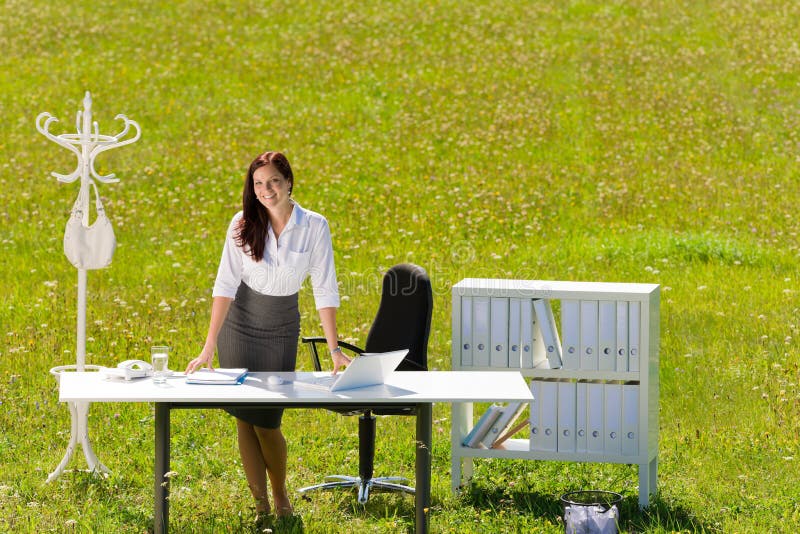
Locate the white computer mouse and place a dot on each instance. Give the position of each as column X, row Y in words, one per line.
column 274, row 380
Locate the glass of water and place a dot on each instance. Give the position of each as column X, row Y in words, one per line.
column 160, row 357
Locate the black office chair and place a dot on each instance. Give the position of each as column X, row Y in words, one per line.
column 403, row 321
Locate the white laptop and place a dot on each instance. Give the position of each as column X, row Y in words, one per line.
column 368, row 369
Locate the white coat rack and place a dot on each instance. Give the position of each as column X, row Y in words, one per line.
column 86, row 144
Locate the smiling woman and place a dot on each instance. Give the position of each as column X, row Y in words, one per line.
column 273, row 244
column 269, row 183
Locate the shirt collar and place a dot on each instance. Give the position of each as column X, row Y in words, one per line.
column 299, row 217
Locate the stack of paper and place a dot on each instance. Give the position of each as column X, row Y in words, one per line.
column 217, row 376
column 504, row 423
column 482, row 427
column 495, row 422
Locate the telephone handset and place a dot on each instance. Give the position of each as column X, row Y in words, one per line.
column 130, row 369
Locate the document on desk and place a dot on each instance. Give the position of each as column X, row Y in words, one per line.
column 222, row 376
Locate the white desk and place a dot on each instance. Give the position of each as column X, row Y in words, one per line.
column 410, row 388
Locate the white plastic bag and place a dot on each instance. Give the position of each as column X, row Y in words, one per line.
column 592, row 519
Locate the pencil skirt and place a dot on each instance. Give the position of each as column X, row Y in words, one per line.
column 260, row 333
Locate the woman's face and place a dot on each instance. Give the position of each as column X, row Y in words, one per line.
column 271, row 187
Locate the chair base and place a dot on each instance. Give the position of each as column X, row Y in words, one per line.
column 363, row 486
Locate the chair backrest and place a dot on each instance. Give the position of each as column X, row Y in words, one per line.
column 403, row 320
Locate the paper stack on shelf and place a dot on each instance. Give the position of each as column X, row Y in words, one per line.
column 503, row 423
column 482, row 427
column 498, row 443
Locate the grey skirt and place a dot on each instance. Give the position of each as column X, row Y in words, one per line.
column 260, row 333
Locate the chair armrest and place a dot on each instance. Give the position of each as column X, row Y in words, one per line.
column 312, row 345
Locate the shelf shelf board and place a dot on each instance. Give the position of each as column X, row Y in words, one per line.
column 520, row 449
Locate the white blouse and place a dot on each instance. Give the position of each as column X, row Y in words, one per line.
column 304, row 249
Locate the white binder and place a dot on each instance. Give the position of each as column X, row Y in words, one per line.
column 548, row 415
column 571, row 334
column 595, row 441
column 630, row 419
column 535, row 442
column 581, row 412
column 566, row 416
column 589, row 359
column 466, row 331
column 607, row 335
column 514, row 332
column 613, row 418
column 527, row 334
column 498, row 350
column 480, row 332
column 622, row 336
column 634, row 335
column 547, row 325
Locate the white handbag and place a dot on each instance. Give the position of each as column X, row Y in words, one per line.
column 89, row 247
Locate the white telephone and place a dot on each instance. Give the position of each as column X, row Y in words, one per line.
column 129, row 369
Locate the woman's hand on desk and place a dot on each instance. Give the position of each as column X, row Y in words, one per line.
column 205, row 359
column 340, row 361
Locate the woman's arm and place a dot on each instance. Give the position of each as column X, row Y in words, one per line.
column 328, row 318
column 219, row 310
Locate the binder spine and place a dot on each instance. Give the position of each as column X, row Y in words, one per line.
column 498, row 351
column 566, row 416
column 589, row 359
column 529, row 336
column 466, row 331
column 570, row 329
column 514, row 333
column 634, row 334
column 607, row 335
column 622, row 336
column 480, row 337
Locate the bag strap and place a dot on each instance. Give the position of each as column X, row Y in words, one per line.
column 98, row 204
column 83, row 200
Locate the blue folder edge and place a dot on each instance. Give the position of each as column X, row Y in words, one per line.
column 239, row 381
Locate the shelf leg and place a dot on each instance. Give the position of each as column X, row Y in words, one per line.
column 461, row 424
column 648, row 474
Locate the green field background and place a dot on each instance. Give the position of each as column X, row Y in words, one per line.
column 643, row 141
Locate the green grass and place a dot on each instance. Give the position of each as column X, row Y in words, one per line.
column 645, row 141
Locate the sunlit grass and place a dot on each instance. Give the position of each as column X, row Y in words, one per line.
column 642, row 141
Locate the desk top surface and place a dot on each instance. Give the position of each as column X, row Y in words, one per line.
column 401, row 388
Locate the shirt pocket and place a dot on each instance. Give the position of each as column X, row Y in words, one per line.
column 297, row 262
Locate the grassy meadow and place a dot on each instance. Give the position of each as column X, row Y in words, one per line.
column 643, row 141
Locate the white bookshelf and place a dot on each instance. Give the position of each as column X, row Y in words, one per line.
column 600, row 406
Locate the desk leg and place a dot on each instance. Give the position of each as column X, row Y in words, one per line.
column 422, row 495
column 161, row 518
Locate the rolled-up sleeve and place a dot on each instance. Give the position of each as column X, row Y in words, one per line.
column 229, row 273
column 322, row 270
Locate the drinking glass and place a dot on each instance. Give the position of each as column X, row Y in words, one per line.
column 160, row 358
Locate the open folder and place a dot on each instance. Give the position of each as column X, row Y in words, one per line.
column 217, row 376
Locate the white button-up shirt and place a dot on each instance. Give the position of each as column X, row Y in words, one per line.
column 304, row 249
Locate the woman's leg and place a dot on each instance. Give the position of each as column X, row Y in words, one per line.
column 253, row 462
column 274, row 453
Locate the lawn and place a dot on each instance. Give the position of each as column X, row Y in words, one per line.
column 645, row 141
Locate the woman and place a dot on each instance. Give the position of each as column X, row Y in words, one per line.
column 272, row 245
